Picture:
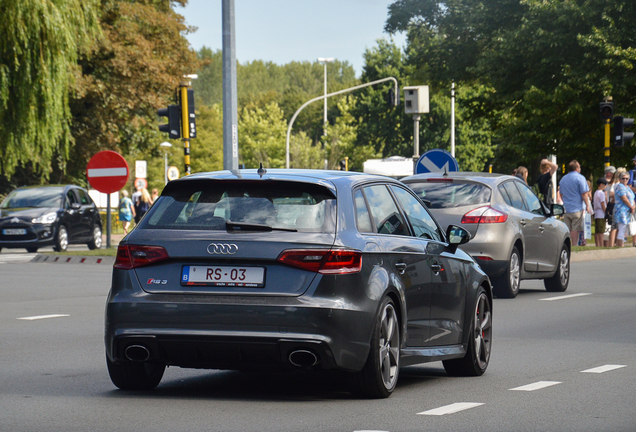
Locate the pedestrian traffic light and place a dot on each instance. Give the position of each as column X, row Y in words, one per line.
column 606, row 110
column 173, row 112
column 188, row 105
column 620, row 136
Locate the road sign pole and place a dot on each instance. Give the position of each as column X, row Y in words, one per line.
column 108, row 227
column 416, row 140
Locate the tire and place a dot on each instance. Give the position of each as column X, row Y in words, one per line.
column 559, row 282
column 477, row 357
column 96, row 241
column 32, row 249
column 135, row 375
column 507, row 285
column 379, row 376
column 61, row 239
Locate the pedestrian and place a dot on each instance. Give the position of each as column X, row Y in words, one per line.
column 143, row 204
column 545, row 181
column 611, row 199
column 574, row 193
column 155, row 195
column 135, row 199
column 522, row 173
column 630, row 183
column 600, row 204
column 624, row 208
column 126, row 210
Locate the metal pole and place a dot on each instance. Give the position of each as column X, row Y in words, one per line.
column 452, row 131
column 230, row 104
column 185, row 124
column 607, row 143
column 416, row 140
column 324, row 121
column 291, row 122
column 165, row 168
column 108, row 224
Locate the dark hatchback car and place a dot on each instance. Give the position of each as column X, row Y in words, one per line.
column 56, row 215
column 294, row 269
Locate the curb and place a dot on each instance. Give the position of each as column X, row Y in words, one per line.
column 603, row 254
column 76, row 259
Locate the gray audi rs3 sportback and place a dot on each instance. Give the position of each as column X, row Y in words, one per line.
column 294, row 270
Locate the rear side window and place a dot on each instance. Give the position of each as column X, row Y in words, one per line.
column 514, row 195
column 386, row 215
column 447, row 194
column 422, row 222
column 84, row 199
column 207, row 205
column 532, row 202
column 362, row 213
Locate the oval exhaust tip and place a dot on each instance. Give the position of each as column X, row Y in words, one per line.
column 303, row 358
column 137, row 353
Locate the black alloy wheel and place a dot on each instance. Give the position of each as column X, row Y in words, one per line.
column 477, row 357
column 379, row 376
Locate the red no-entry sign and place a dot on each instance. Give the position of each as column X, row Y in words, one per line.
column 107, row 171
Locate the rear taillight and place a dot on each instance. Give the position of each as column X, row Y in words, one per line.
column 440, row 180
column 131, row 256
column 323, row 260
column 485, row 214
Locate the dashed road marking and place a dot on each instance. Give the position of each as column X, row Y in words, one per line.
column 39, row 317
column 602, row 369
column 566, row 297
column 451, row 409
column 536, row 386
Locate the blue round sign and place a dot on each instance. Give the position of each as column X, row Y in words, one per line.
column 436, row 160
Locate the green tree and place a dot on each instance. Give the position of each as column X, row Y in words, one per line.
column 129, row 75
column 41, row 42
column 262, row 137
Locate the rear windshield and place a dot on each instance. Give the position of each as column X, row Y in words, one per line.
column 34, row 197
column 209, row 205
column 451, row 194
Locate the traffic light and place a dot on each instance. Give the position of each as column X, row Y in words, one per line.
column 344, row 164
column 392, row 98
column 620, row 136
column 173, row 112
column 192, row 127
column 606, row 110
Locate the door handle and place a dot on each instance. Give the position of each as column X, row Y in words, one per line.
column 401, row 267
column 522, row 222
column 541, row 229
column 436, row 268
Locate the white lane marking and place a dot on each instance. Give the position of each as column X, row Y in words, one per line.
column 451, row 409
column 602, row 369
column 536, row 386
column 39, row 317
column 565, row 297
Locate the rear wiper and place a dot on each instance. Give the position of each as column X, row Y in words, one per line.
column 242, row 226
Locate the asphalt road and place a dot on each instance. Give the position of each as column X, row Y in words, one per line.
column 54, row 378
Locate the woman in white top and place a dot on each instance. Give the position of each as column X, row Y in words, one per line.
column 610, row 205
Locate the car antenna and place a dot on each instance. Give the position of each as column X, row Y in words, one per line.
column 261, row 171
column 445, row 170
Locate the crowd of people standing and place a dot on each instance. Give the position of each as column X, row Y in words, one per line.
column 135, row 208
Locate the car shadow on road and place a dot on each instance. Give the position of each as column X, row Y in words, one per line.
column 272, row 386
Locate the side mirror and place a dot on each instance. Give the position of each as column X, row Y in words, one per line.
column 76, row 206
column 556, row 209
column 456, row 236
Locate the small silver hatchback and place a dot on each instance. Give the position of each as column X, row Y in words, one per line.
column 514, row 236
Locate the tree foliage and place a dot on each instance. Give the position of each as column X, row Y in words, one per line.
column 549, row 63
column 41, row 42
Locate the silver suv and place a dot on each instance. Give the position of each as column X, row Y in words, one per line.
column 514, row 236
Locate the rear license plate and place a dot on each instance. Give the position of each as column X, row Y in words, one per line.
column 223, row 276
column 14, row 231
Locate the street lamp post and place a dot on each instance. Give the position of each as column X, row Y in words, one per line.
column 166, row 146
column 324, row 61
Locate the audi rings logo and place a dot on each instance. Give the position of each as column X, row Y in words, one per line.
column 222, row 248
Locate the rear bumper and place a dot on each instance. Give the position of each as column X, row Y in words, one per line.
column 242, row 332
column 493, row 268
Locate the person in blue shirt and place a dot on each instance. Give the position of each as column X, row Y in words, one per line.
column 632, row 173
column 574, row 193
